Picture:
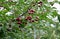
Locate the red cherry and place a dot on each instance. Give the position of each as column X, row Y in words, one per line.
column 19, row 22
column 18, row 19
column 28, row 18
column 31, row 11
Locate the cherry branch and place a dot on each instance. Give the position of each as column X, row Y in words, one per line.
column 25, row 12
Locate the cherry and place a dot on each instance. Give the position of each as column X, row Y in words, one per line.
column 31, row 11
column 19, row 22
column 28, row 18
column 18, row 19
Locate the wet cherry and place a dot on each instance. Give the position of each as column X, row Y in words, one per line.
column 28, row 18
column 31, row 11
column 18, row 19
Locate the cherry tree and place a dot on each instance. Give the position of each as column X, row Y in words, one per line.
column 29, row 19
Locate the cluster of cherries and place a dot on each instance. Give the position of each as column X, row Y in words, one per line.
column 29, row 18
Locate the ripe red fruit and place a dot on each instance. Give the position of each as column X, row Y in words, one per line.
column 31, row 11
column 18, row 19
column 28, row 18
column 19, row 22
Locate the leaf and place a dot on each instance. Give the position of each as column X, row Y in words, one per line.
column 59, row 18
column 2, row 33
